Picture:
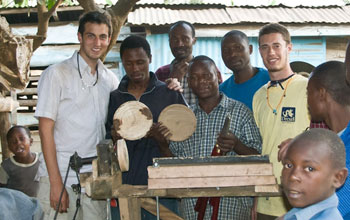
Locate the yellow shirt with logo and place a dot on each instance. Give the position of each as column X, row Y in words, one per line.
column 291, row 119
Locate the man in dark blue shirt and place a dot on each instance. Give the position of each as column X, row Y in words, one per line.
column 141, row 85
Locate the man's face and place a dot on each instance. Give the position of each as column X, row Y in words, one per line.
column 235, row 53
column 136, row 64
column 315, row 103
column 203, row 79
column 274, row 52
column 308, row 174
column 94, row 41
column 181, row 41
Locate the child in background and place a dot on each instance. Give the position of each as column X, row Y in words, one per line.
column 313, row 168
column 19, row 171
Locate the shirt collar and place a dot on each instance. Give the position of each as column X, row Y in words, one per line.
column 310, row 211
column 222, row 104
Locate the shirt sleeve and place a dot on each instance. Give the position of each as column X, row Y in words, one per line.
column 250, row 135
column 3, row 176
column 49, row 90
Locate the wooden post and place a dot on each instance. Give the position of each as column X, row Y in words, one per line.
column 5, row 124
column 130, row 208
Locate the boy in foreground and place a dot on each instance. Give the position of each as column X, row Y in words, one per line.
column 313, row 168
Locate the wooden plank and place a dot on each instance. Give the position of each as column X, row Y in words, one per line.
column 29, row 91
column 164, row 213
column 30, row 102
column 210, row 182
column 210, row 170
column 143, row 191
column 130, row 208
column 210, row 159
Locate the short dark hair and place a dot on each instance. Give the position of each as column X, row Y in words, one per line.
column 95, row 17
column 330, row 140
column 331, row 76
column 182, row 23
column 233, row 33
column 133, row 42
column 14, row 128
column 275, row 28
column 204, row 59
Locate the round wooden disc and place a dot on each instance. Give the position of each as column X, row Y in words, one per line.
column 123, row 155
column 180, row 120
column 132, row 120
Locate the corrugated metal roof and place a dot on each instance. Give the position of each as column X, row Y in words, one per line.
column 150, row 15
column 219, row 14
column 330, row 15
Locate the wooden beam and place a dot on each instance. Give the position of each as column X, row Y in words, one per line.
column 164, row 213
column 200, row 182
column 143, row 191
column 210, row 170
column 31, row 102
column 29, row 91
column 130, row 208
column 211, row 159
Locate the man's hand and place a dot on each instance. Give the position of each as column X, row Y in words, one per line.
column 227, row 142
column 159, row 132
column 55, row 192
column 174, row 84
column 283, row 147
column 179, row 69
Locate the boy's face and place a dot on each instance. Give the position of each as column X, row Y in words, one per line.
column 308, row 174
column 19, row 143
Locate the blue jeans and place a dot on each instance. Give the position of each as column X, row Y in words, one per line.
column 171, row 204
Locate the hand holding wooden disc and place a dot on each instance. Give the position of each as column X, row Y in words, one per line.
column 132, row 120
column 180, row 120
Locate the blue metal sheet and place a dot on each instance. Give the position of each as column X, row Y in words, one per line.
column 307, row 49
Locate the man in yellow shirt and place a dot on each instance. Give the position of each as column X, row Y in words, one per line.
column 279, row 107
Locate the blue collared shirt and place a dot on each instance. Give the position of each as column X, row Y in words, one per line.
column 324, row 210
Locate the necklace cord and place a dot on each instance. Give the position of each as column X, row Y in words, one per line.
column 274, row 110
column 81, row 78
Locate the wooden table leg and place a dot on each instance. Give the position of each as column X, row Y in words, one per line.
column 130, row 208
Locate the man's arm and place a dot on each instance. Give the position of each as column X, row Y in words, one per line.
column 46, row 131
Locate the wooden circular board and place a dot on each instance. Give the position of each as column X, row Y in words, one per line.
column 180, row 120
column 132, row 120
column 123, row 155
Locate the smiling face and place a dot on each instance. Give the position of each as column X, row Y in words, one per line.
column 308, row 174
column 274, row 51
column 181, row 41
column 203, row 79
column 93, row 42
column 136, row 64
column 235, row 53
column 19, row 143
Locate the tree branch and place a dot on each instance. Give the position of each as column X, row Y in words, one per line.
column 43, row 23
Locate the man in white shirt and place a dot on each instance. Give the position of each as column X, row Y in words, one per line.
column 72, row 108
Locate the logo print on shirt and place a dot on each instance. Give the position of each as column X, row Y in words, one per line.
column 288, row 114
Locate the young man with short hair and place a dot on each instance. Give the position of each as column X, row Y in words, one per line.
column 279, row 107
column 72, row 107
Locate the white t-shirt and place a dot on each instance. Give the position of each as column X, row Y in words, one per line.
column 79, row 111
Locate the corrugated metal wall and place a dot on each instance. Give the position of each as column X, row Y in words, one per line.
column 307, row 49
